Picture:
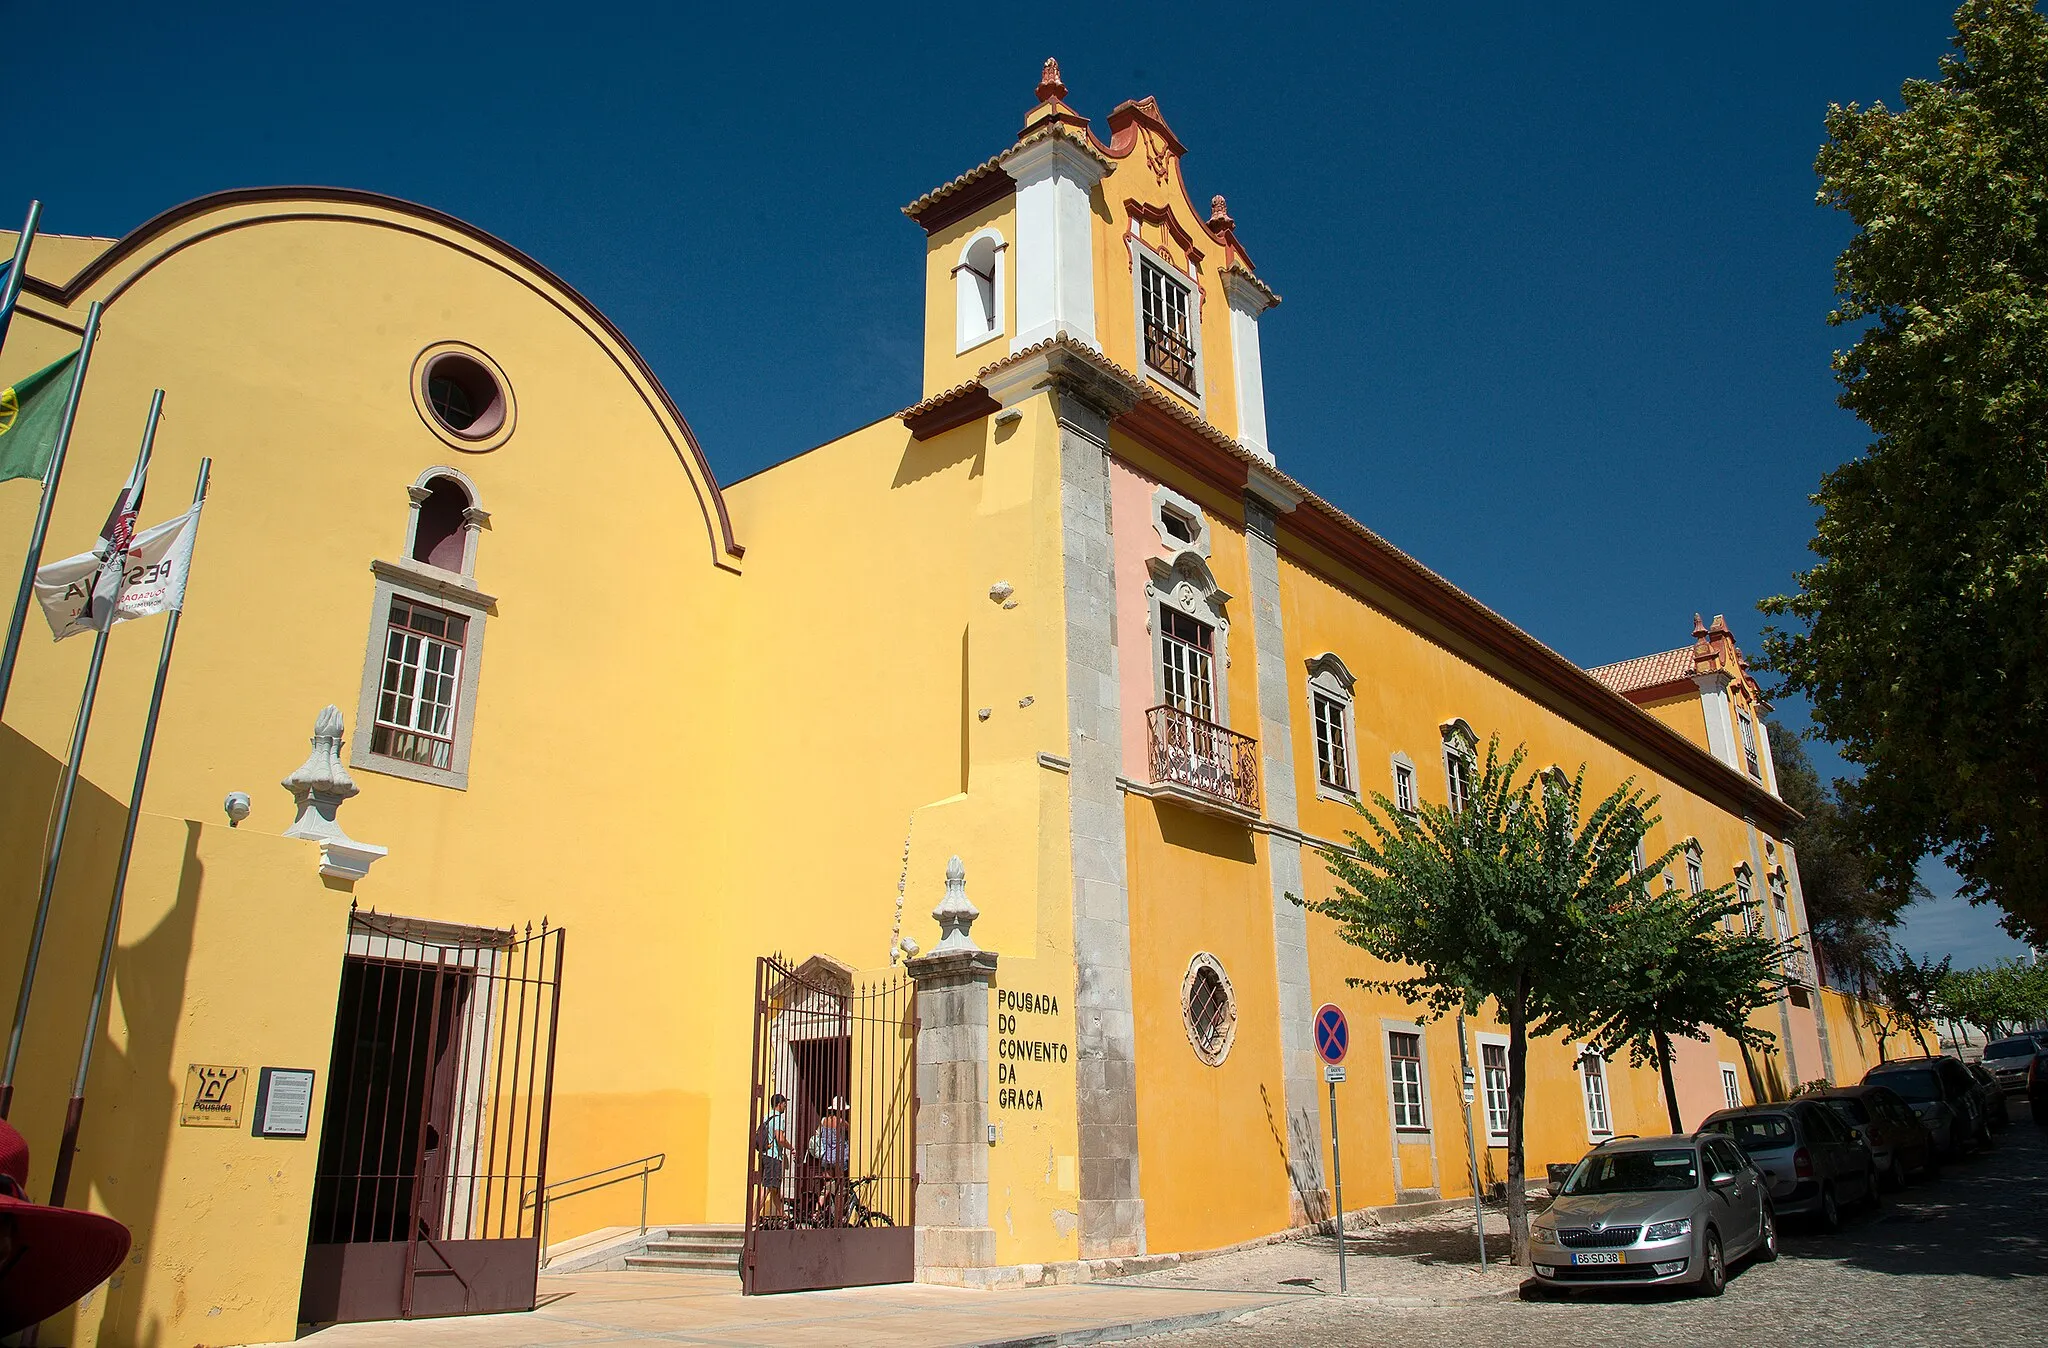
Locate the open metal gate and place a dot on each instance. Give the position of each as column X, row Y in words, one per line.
column 831, row 1173
column 436, row 1130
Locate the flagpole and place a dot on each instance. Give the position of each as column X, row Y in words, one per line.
column 66, row 792
column 42, row 525
column 75, row 1111
column 11, row 291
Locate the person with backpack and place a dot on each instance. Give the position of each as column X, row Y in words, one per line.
column 771, row 1140
column 827, row 1152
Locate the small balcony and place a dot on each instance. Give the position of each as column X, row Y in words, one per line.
column 1204, row 765
column 1172, row 355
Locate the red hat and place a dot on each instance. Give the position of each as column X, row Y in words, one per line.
column 49, row 1257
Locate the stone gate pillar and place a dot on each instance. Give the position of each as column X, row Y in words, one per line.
column 955, row 1242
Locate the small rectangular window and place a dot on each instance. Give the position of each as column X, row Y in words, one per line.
column 1187, row 663
column 1695, row 878
column 1493, row 1059
column 1404, row 788
column 1333, row 754
column 1169, row 328
column 1731, row 1088
column 1594, row 1074
column 1404, row 1058
column 416, row 696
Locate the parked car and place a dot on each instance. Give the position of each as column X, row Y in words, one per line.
column 1943, row 1094
column 1899, row 1143
column 1811, row 1162
column 1654, row 1211
column 2009, row 1059
column 1991, row 1095
column 2037, row 1088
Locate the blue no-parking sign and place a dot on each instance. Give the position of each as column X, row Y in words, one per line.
column 1333, row 1033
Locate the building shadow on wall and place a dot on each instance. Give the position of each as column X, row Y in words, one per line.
column 1224, row 838
column 922, row 458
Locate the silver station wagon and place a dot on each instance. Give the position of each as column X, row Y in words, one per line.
column 1654, row 1211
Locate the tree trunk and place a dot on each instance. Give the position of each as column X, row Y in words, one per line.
column 1664, row 1070
column 1517, row 1195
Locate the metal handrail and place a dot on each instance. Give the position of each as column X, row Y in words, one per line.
column 546, row 1196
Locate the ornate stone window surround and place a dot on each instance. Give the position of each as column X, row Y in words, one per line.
column 1184, row 582
column 1215, row 1054
column 1397, row 764
column 1459, row 742
column 972, row 321
column 1143, row 252
column 1329, row 678
column 1168, row 502
column 434, row 587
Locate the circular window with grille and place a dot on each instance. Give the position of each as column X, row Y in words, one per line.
column 463, row 396
column 1208, row 1008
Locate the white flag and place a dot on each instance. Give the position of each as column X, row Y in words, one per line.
column 152, row 578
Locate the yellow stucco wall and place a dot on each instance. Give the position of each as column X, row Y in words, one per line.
column 945, row 366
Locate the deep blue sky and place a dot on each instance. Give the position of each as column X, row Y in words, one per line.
column 1554, row 282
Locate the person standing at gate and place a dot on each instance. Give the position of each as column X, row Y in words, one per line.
column 772, row 1141
column 827, row 1152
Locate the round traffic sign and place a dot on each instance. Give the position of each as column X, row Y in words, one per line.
column 1333, row 1033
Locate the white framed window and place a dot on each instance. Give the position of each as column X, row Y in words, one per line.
column 1593, row 1079
column 416, row 697
column 1461, row 765
column 978, row 289
column 1404, row 1081
column 1695, row 874
column 1330, row 686
column 1179, row 522
column 1731, row 1086
column 1748, row 729
column 1404, row 784
column 1752, row 916
column 1187, row 668
column 1780, row 906
column 1493, row 1085
column 1166, row 305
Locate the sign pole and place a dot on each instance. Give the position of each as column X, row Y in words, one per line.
column 51, row 477
column 74, row 1112
column 1471, row 1142
column 65, row 794
column 1337, row 1174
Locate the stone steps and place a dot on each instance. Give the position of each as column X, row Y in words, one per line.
column 690, row 1249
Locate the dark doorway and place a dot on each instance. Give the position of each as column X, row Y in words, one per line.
column 433, row 1145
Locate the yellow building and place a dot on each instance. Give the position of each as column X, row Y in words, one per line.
column 1083, row 634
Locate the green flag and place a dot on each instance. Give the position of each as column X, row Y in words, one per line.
column 30, row 413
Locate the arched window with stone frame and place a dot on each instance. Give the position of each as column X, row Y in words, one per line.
column 1333, row 727
column 978, row 286
column 415, row 711
column 1461, row 763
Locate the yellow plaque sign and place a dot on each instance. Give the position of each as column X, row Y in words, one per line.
column 214, row 1096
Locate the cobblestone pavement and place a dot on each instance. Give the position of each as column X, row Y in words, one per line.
column 1957, row 1262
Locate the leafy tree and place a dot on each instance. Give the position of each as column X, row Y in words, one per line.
column 1849, row 915
column 1672, row 968
column 1505, row 900
column 1906, row 996
column 1921, row 637
column 1996, row 999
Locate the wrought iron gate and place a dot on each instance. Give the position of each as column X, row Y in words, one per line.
column 436, row 1129
column 831, row 1174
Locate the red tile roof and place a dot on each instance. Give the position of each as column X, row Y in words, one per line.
column 1646, row 671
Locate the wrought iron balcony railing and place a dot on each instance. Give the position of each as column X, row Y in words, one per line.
column 1205, row 758
column 1169, row 353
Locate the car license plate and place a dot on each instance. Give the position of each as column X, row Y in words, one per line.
column 1584, row 1259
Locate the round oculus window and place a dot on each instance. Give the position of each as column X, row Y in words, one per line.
column 1208, row 1009
column 464, row 395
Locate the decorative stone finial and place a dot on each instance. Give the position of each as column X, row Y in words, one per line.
column 955, row 915
column 1219, row 214
column 1699, row 628
column 1050, row 88
column 318, row 787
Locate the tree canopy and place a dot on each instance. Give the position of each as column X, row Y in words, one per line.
column 1921, row 636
